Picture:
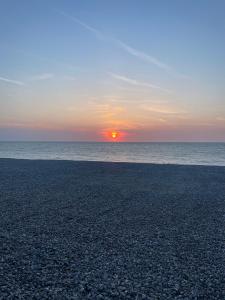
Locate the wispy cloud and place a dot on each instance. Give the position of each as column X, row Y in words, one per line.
column 143, row 56
column 149, row 59
column 138, row 83
column 219, row 118
column 43, row 76
column 70, row 78
column 163, row 110
column 12, row 81
column 95, row 31
column 124, row 46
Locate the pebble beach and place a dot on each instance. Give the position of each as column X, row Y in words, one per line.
column 101, row 230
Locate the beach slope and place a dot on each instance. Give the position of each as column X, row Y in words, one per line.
column 92, row 230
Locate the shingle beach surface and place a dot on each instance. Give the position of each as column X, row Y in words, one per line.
column 92, row 230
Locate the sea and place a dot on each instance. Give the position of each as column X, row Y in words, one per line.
column 153, row 152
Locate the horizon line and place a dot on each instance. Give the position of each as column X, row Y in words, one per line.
column 114, row 142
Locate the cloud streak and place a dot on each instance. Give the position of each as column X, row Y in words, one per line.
column 163, row 110
column 93, row 30
column 12, row 81
column 138, row 83
column 143, row 56
column 127, row 48
column 43, row 76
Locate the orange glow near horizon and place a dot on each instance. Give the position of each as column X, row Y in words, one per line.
column 114, row 135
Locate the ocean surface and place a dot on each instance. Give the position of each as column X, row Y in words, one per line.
column 160, row 153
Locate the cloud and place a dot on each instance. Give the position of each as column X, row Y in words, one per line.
column 96, row 32
column 43, row 76
column 70, row 78
column 220, row 118
column 162, row 110
column 143, row 56
column 127, row 48
column 11, row 81
column 138, row 83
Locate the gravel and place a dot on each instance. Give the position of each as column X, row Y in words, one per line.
column 92, row 230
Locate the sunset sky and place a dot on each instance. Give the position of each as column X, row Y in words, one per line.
column 79, row 70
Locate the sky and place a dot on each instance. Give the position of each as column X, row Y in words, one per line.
column 150, row 70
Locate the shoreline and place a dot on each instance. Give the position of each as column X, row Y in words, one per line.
column 101, row 230
column 110, row 162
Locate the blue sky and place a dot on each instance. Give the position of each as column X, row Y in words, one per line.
column 73, row 70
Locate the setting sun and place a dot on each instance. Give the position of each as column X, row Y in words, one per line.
column 110, row 135
column 114, row 134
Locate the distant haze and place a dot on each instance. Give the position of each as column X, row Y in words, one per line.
column 79, row 70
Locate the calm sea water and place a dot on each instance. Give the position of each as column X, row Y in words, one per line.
column 162, row 153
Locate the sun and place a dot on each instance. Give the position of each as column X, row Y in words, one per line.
column 114, row 134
